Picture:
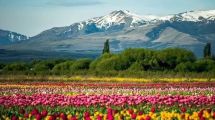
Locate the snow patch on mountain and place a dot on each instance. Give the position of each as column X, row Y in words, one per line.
column 194, row 16
column 117, row 18
column 14, row 37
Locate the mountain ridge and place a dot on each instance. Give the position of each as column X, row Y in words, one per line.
column 190, row 30
column 9, row 37
column 120, row 19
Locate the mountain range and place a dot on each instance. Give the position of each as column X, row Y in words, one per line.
column 8, row 37
column 190, row 30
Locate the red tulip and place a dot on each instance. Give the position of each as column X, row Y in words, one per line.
column 34, row 112
column 52, row 118
column 130, row 111
column 26, row 115
column 22, row 111
column 153, row 110
column 214, row 115
column 209, row 110
column 14, row 117
column 44, row 113
column 38, row 117
column 109, row 110
column 63, row 116
column 200, row 114
column 133, row 116
column 202, row 118
column 87, row 114
column 148, row 118
column 183, row 109
column 115, row 111
column 73, row 118
column 99, row 117
column 140, row 113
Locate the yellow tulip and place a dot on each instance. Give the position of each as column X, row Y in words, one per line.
column 47, row 118
column 69, row 116
column 92, row 118
column 135, row 110
column 206, row 114
column 7, row 118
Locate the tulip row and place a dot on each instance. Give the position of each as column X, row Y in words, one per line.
column 108, row 91
column 103, row 100
column 109, row 88
column 111, row 85
column 112, row 114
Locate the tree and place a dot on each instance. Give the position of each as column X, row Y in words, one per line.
column 106, row 47
column 207, row 50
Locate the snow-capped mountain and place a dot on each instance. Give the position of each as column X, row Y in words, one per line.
column 8, row 37
column 115, row 21
column 190, row 30
column 120, row 17
column 119, row 20
column 195, row 16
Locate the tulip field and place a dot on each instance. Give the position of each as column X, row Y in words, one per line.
column 107, row 101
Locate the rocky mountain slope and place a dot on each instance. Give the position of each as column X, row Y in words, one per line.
column 190, row 30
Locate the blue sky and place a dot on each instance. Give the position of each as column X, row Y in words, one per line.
column 31, row 17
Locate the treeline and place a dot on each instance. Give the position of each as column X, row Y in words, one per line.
column 131, row 61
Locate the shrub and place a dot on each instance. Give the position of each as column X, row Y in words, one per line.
column 99, row 59
column 205, row 65
column 2, row 66
column 185, row 67
column 45, row 65
column 171, row 57
column 134, row 54
column 137, row 66
column 65, row 66
column 107, row 64
column 81, row 64
column 16, row 67
column 116, row 62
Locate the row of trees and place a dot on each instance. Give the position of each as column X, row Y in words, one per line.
column 172, row 59
column 138, row 59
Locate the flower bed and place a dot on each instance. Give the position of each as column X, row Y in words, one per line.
column 108, row 113
column 107, row 101
column 104, row 100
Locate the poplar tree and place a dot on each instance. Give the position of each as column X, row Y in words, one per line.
column 106, row 48
column 207, row 50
